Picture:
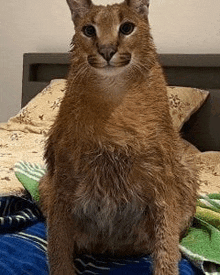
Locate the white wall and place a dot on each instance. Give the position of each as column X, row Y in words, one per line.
column 187, row 26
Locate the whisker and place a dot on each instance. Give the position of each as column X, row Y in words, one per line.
column 80, row 73
column 140, row 66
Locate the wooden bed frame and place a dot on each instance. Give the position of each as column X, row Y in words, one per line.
column 199, row 71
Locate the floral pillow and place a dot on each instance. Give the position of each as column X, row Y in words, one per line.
column 38, row 115
column 208, row 164
column 209, row 171
column 184, row 102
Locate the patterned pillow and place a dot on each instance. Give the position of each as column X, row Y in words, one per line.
column 38, row 115
column 184, row 102
column 209, row 171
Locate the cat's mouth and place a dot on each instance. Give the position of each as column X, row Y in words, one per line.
column 118, row 61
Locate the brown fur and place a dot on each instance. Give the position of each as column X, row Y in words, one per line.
column 115, row 182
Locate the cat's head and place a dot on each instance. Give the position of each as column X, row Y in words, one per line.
column 113, row 38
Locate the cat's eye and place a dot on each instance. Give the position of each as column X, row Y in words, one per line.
column 127, row 28
column 89, row 30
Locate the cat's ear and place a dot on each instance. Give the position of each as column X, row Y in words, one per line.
column 79, row 8
column 140, row 6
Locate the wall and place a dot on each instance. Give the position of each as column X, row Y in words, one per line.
column 189, row 26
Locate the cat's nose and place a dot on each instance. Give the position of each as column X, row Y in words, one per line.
column 107, row 51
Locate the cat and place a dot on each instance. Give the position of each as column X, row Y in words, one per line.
column 116, row 183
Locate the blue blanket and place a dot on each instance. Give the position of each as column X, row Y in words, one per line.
column 23, row 246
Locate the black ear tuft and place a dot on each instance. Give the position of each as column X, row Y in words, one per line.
column 140, row 6
column 79, row 8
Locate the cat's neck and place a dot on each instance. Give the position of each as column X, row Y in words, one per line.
column 93, row 97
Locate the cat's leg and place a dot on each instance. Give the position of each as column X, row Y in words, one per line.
column 166, row 254
column 60, row 241
column 60, row 228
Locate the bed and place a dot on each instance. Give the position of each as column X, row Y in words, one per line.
column 194, row 98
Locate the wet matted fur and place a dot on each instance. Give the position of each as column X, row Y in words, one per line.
column 116, row 183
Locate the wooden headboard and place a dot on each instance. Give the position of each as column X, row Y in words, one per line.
column 199, row 71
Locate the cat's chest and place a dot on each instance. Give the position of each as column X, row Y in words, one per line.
column 106, row 195
column 96, row 212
